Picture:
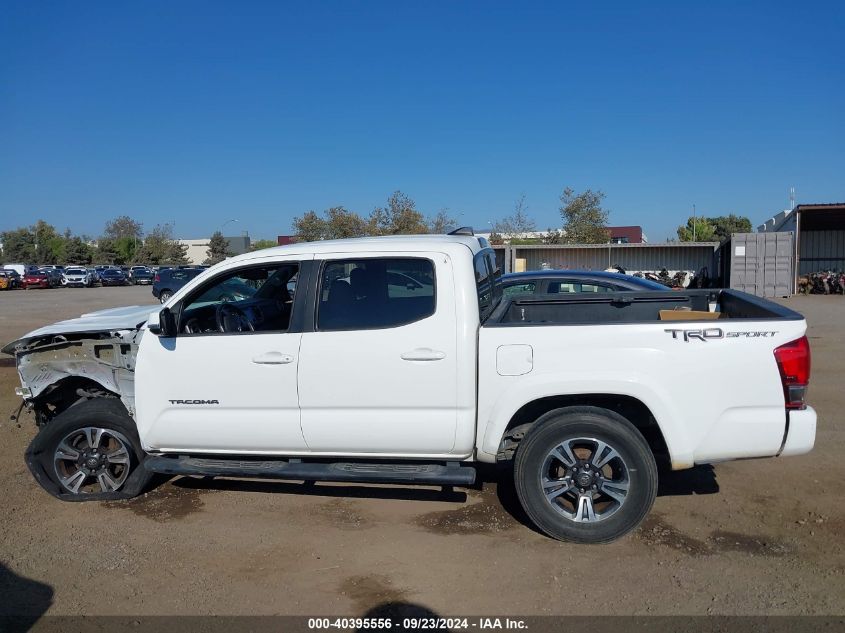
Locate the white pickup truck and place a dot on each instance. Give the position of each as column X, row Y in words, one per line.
column 397, row 360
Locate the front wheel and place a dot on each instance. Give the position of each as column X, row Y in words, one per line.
column 585, row 474
column 91, row 451
column 165, row 296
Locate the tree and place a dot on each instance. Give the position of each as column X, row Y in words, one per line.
column 553, row 236
column 106, row 251
column 258, row 245
column 704, row 230
column 399, row 217
column 18, row 245
column 309, row 227
column 516, row 225
column 725, row 226
column 442, row 222
column 584, row 219
column 341, row 223
column 77, row 251
column 160, row 248
column 218, row 249
column 123, row 226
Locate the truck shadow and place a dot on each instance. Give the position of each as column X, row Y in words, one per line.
column 23, row 600
column 698, row 480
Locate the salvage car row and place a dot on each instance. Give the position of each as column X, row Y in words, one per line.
column 23, row 276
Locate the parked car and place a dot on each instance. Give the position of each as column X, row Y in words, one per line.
column 78, row 277
column 141, row 275
column 15, row 280
column 39, row 279
column 376, row 384
column 113, row 277
column 569, row 281
column 5, row 281
column 20, row 269
column 95, row 276
column 168, row 280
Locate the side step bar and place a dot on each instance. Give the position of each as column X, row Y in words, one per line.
column 450, row 474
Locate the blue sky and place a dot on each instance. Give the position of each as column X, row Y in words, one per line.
column 199, row 112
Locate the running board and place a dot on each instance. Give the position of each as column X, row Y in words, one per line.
column 450, row 474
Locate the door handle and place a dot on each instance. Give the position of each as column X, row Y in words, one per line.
column 273, row 358
column 423, row 353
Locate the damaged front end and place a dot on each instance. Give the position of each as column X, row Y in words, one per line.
column 58, row 371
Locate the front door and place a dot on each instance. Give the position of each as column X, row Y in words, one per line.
column 379, row 372
column 226, row 382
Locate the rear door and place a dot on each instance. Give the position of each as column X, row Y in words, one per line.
column 379, row 372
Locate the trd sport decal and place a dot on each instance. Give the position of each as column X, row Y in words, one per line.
column 194, row 401
column 707, row 334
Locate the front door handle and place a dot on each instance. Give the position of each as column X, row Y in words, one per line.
column 424, row 353
column 273, row 358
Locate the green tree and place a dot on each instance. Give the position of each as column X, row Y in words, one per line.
column 697, row 229
column 399, row 217
column 309, row 227
column 160, row 248
column 218, row 249
column 77, row 251
column 341, row 223
column 584, row 219
column 107, row 252
column 18, row 245
column 258, row 245
column 727, row 225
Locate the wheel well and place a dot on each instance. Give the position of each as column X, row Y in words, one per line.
column 65, row 393
column 628, row 407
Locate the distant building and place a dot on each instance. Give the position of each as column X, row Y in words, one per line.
column 819, row 231
column 284, row 240
column 627, row 235
column 198, row 248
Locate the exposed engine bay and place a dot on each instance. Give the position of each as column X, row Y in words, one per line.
column 60, row 371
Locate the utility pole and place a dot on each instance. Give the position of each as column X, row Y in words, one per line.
column 693, row 223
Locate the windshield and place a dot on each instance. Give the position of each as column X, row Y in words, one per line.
column 76, row 271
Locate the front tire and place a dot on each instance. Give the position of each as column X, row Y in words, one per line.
column 89, row 452
column 165, row 296
column 585, row 474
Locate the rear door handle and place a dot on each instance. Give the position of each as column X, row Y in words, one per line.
column 273, row 358
column 423, row 353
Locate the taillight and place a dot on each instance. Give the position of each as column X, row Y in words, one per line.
column 157, row 278
column 793, row 360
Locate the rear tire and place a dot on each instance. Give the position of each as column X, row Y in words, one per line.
column 89, row 452
column 585, row 474
column 165, row 296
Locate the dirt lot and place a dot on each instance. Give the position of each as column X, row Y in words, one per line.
column 752, row 537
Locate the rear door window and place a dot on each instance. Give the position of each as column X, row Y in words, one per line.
column 373, row 293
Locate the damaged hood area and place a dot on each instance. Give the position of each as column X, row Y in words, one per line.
column 111, row 320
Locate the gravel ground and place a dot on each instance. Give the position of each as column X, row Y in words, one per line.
column 749, row 537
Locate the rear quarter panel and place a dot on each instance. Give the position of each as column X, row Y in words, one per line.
column 713, row 400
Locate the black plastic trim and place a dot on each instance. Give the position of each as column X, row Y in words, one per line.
column 450, row 473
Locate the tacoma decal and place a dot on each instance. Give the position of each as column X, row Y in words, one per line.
column 194, row 401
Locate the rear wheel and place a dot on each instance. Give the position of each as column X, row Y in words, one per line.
column 585, row 474
column 164, row 296
column 90, row 451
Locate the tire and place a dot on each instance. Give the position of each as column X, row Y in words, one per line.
column 563, row 492
column 164, row 296
column 100, row 430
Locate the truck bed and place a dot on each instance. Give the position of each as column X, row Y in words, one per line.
column 633, row 307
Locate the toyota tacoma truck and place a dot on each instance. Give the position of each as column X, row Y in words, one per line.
column 396, row 360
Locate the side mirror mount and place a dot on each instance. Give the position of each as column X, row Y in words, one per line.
column 162, row 323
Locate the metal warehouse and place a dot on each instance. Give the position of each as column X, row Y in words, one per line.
column 819, row 235
column 692, row 256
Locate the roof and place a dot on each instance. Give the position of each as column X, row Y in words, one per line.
column 815, row 217
column 360, row 244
